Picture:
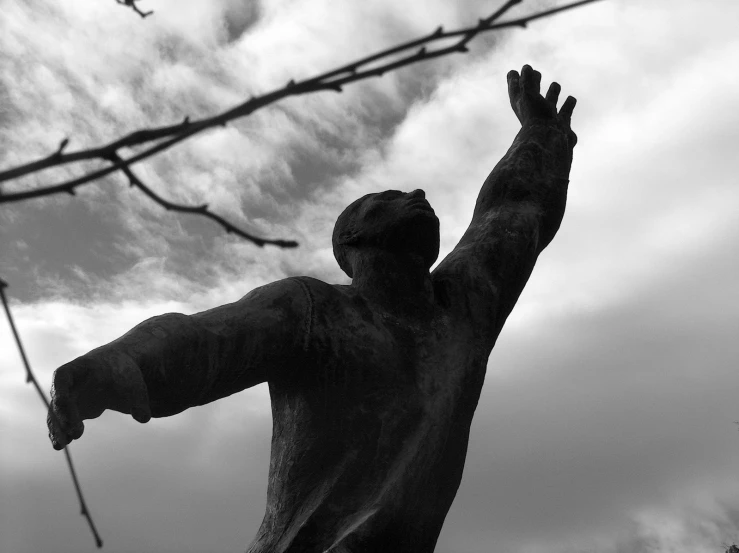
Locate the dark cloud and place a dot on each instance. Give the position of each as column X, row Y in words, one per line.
column 239, row 16
column 68, row 235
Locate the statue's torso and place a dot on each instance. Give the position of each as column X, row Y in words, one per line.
column 370, row 434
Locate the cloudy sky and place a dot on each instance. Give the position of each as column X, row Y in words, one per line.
column 606, row 421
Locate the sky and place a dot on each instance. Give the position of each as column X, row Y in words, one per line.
column 606, row 422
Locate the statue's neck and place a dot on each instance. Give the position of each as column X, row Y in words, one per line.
column 395, row 283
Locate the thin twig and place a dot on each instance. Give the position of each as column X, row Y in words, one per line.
column 199, row 210
column 132, row 4
column 84, row 511
column 170, row 135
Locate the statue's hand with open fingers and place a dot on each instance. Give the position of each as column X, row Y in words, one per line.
column 531, row 107
column 84, row 388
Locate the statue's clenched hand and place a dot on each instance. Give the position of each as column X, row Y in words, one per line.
column 530, row 106
column 87, row 386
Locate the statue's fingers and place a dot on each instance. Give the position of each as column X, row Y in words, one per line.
column 553, row 94
column 572, row 139
column 132, row 392
column 566, row 111
column 530, row 80
column 64, row 421
column 140, row 410
column 57, row 437
column 514, row 86
column 57, row 428
column 514, row 91
column 75, row 431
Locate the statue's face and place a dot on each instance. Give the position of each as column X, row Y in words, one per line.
column 399, row 222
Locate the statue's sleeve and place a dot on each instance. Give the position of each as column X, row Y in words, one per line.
column 189, row 360
column 518, row 212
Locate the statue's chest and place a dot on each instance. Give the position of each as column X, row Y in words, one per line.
column 374, row 361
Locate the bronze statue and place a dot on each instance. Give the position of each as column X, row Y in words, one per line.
column 374, row 384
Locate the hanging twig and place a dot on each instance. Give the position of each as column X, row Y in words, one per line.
column 167, row 136
column 199, row 210
column 84, row 511
column 132, row 4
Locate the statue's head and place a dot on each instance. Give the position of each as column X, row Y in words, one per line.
column 392, row 221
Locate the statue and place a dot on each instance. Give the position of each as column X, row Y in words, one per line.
column 373, row 385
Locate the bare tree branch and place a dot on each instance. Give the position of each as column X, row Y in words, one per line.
column 199, row 210
column 132, row 4
column 170, row 135
column 84, row 511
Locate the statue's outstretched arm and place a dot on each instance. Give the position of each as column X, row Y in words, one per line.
column 522, row 202
column 172, row 362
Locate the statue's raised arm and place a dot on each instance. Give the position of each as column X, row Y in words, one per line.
column 173, row 362
column 520, row 206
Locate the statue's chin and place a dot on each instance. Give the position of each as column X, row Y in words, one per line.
column 414, row 234
column 420, row 237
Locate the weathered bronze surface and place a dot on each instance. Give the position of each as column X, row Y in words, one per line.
column 373, row 385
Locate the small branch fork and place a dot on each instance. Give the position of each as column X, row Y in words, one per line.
column 30, row 378
column 200, row 210
column 132, row 4
column 162, row 138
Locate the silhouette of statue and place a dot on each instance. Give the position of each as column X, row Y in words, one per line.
column 373, row 385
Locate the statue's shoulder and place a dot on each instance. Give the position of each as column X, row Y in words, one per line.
column 330, row 299
column 316, row 291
